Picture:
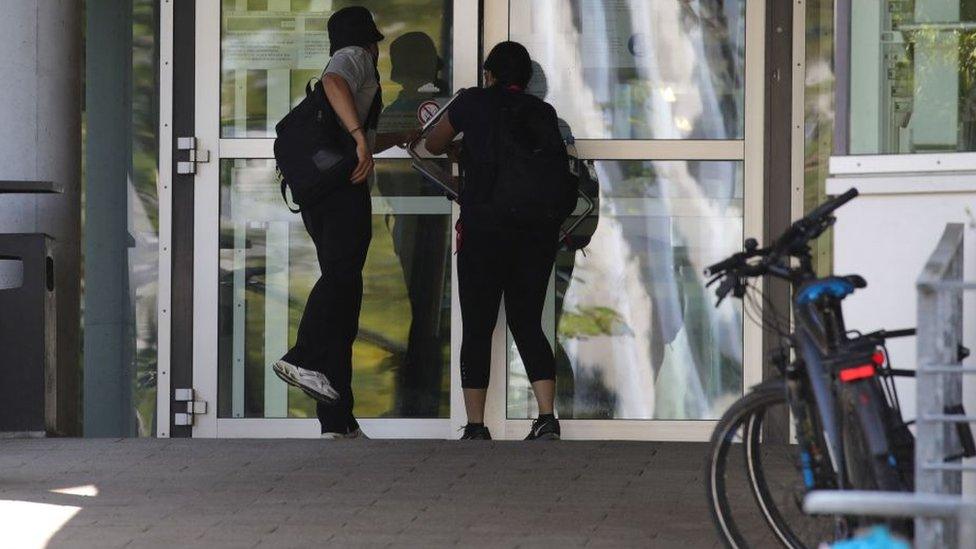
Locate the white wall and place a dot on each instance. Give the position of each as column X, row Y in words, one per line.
column 886, row 237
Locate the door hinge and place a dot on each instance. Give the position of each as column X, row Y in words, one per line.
column 195, row 156
column 193, row 407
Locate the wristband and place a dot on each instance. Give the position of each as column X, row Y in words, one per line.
column 356, row 129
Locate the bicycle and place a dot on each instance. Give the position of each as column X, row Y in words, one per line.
column 838, row 390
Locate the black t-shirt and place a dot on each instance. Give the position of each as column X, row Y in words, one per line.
column 475, row 113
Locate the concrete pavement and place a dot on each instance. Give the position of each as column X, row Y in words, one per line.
column 312, row 493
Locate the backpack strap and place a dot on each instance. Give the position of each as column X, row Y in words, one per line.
column 372, row 121
column 284, row 194
column 375, row 108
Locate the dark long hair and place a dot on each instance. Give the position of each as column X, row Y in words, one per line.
column 510, row 63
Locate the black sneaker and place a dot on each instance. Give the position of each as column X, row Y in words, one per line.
column 476, row 432
column 544, row 428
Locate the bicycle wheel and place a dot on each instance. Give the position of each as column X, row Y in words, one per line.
column 762, row 478
column 862, row 413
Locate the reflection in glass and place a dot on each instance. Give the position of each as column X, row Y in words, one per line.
column 418, row 69
column 638, row 336
column 268, row 265
column 818, row 98
column 270, row 49
column 640, row 69
column 913, row 77
column 143, row 222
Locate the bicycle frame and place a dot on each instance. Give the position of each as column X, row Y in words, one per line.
column 809, row 344
column 820, row 332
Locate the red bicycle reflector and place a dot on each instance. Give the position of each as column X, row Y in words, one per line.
column 878, row 358
column 858, row 372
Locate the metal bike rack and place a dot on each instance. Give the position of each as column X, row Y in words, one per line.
column 943, row 517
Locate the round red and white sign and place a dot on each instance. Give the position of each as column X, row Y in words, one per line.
column 427, row 110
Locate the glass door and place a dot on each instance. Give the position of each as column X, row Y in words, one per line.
column 254, row 263
column 664, row 101
column 662, row 98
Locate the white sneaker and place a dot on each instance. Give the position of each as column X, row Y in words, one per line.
column 313, row 383
column 358, row 433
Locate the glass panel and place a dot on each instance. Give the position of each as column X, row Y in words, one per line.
column 913, row 76
column 401, row 360
column 638, row 334
column 819, row 91
column 638, row 69
column 271, row 48
column 143, row 208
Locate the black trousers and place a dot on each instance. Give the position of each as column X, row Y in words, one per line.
column 341, row 228
column 515, row 265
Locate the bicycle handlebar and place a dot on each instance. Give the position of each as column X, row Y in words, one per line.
column 792, row 242
column 829, row 206
column 735, row 260
column 800, row 232
column 810, row 226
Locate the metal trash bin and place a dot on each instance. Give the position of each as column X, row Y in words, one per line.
column 28, row 338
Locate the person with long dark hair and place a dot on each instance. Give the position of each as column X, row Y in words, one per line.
column 506, row 246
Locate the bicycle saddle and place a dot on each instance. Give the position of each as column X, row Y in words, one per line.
column 834, row 286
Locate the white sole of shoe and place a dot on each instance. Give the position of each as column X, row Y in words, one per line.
column 357, row 434
column 283, row 376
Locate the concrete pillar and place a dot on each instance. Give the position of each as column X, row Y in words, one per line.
column 40, row 121
column 108, row 322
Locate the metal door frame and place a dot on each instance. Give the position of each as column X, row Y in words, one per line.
column 490, row 22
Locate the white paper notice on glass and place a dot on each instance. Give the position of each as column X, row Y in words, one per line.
column 274, row 40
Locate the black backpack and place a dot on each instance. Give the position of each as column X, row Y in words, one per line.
column 315, row 155
column 533, row 185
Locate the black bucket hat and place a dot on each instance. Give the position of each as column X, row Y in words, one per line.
column 352, row 26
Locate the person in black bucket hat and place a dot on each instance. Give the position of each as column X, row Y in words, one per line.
column 340, row 225
column 352, row 26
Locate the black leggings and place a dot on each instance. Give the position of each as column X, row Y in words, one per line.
column 517, row 265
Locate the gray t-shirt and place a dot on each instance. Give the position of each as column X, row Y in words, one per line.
column 357, row 67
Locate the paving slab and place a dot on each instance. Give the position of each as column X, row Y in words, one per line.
column 310, row 493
